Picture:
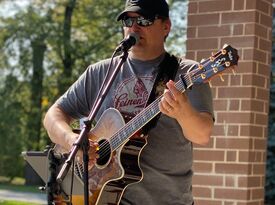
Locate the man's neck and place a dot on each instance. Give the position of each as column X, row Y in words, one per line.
column 145, row 55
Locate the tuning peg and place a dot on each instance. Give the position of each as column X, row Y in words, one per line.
column 212, row 58
column 215, row 69
column 227, row 64
column 221, row 77
column 210, row 84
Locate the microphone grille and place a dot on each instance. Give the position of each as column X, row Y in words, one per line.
column 135, row 36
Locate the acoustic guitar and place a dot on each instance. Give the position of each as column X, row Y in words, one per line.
column 118, row 162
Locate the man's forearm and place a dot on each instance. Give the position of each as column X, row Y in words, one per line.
column 57, row 124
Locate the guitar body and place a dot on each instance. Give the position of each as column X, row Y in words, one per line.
column 112, row 173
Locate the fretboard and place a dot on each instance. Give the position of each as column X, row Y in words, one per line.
column 144, row 117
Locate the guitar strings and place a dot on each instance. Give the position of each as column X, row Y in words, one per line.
column 105, row 146
column 115, row 141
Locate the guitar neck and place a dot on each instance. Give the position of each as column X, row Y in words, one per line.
column 147, row 114
column 196, row 74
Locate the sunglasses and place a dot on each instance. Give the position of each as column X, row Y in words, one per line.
column 128, row 21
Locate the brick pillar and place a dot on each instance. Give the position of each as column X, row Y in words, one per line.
column 231, row 169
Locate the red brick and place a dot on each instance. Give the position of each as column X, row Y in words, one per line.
column 220, row 104
column 209, row 155
column 252, row 105
column 202, row 167
column 235, row 80
column 246, row 67
column 255, row 55
column 231, row 156
column 236, row 92
column 207, row 201
column 196, row 44
column 240, row 17
column 254, row 80
column 238, row 29
column 230, row 181
column 242, row 41
column 191, row 32
column 218, row 130
column 256, row 29
column 260, row 144
column 215, row 5
column 214, row 31
column 265, row 20
column 207, row 180
column 233, row 130
column 258, row 193
column 264, row 69
column 234, row 143
column 258, row 169
column 237, row 194
column 235, row 117
column 191, row 55
column 192, row 7
column 249, row 181
column 251, row 130
column 259, row 5
column 203, row 19
column 238, row 4
column 262, row 94
column 250, row 203
column 249, row 156
column 202, row 192
column 265, row 45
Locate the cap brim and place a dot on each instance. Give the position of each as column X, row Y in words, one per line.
column 135, row 9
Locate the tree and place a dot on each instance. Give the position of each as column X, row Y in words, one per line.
column 46, row 45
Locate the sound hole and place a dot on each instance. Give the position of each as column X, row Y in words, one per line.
column 104, row 152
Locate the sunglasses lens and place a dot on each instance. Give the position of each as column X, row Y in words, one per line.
column 128, row 22
column 141, row 21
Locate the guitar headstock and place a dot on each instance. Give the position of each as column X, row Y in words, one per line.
column 225, row 58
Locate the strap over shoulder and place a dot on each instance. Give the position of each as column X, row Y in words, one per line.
column 167, row 71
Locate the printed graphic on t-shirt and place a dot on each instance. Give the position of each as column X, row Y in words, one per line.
column 131, row 95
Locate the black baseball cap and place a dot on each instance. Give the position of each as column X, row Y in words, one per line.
column 146, row 8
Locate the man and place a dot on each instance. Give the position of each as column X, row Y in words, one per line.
column 186, row 118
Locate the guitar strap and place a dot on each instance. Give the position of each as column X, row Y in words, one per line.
column 167, row 71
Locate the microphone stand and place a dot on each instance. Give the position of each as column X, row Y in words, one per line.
column 82, row 141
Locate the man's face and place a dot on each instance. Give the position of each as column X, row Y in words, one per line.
column 152, row 36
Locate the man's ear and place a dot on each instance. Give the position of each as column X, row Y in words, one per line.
column 167, row 26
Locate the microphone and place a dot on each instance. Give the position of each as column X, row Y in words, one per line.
column 128, row 42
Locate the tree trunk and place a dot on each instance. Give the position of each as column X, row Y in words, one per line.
column 35, row 114
column 65, row 78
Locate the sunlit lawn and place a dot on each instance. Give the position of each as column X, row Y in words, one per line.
column 17, row 185
column 15, row 203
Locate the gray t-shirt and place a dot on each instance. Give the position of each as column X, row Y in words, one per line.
column 166, row 161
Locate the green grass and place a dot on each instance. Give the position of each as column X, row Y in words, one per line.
column 22, row 188
column 15, row 203
column 17, row 184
